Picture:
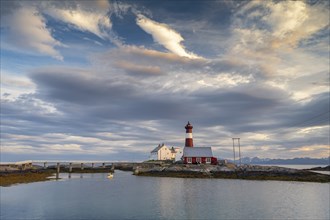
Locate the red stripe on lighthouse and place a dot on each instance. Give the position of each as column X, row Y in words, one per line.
column 189, row 138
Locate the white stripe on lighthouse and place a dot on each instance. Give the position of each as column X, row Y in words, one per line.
column 189, row 135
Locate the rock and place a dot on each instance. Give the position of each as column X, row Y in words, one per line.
column 326, row 168
column 251, row 172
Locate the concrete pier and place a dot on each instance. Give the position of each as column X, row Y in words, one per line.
column 23, row 165
column 57, row 170
column 70, row 167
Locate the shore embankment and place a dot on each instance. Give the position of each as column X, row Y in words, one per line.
column 10, row 175
column 230, row 171
column 163, row 169
column 326, row 168
column 8, row 178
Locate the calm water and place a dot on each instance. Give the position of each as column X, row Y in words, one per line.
column 93, row 196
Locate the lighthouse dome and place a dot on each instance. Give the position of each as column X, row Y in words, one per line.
column 188, row 126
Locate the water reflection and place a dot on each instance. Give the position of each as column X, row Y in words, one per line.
column 94, row 196
column 167, row 196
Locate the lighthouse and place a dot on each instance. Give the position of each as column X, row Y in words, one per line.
column 196, row 155
column 189, row 138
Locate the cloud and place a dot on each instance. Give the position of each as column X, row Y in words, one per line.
column 226, row 80
column 28, row 26
column 134, row 116
column 280, row 44
column 13, row 86
column 81, row 86
column 117, row 99
column 26, row 29
column 171, row 71
column 137, row 51
column 123, row 101
column 145, row 56
column 165, row 36
column 294, row 21
column 135, row 61
column 139, row 69
column 302, row 75
column 265, row 31
column 85, row 16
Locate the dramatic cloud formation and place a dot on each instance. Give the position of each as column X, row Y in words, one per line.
column 164, row 35
column 27, row 30
column 261, row 74
column 86, row 16
column 292, row 22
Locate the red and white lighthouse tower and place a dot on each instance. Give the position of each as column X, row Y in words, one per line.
column 189, row 138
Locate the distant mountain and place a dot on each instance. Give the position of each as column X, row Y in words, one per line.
column 302, row 161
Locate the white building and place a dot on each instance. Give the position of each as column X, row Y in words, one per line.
column 177, row 153
column 162, row 152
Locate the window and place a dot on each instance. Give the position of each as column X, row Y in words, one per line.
column 208, row 160
column 198, row 160
column 189, row 159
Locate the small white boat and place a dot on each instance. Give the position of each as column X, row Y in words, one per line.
column 110, row 175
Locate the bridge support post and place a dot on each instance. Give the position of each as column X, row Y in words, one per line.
column 82, row 166
column 70, row 167
column 57, row 170
column 45, row 165
column 112, row 167
column 103, row 165
column 92, row 165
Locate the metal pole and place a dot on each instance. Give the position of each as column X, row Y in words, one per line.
column 239, row 151
column 234, row 150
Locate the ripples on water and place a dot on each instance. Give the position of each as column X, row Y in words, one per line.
column 93, row 196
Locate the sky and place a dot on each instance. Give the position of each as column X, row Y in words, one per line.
column 110, row 80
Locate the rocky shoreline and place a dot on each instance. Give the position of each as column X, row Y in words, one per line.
column 9, row 178
column 161, row 169
column 327, row 168
column 230, row 171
